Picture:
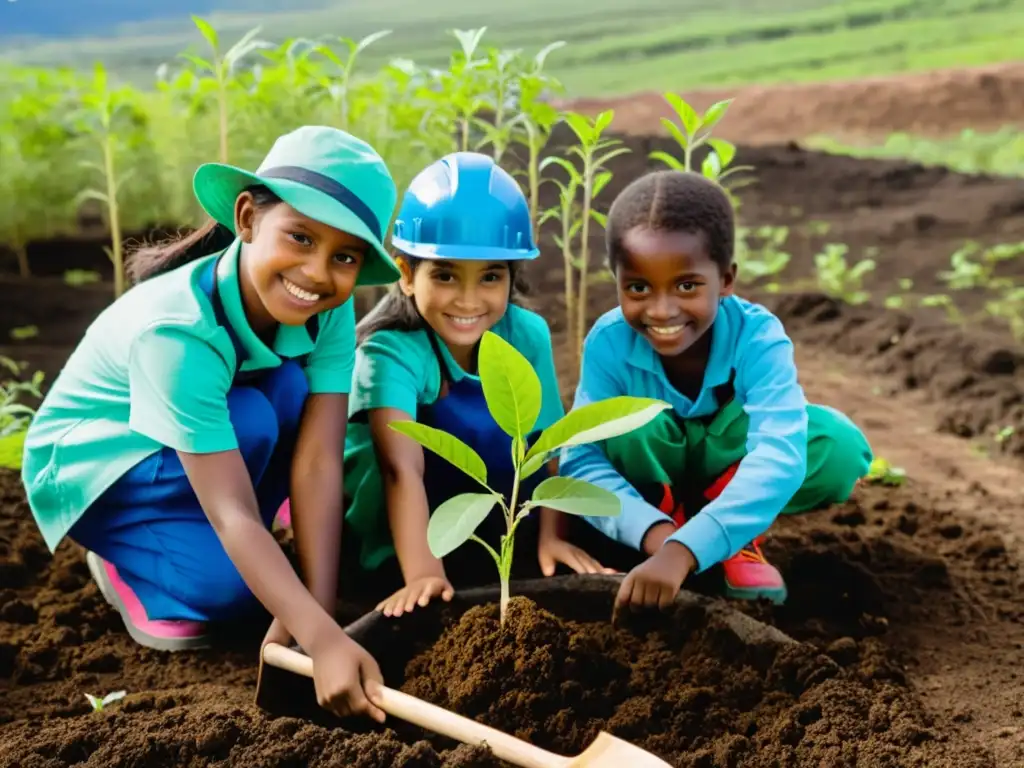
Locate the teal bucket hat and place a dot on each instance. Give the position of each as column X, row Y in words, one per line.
column 323, row 173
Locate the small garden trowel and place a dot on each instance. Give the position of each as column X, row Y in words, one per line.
column 606, row 751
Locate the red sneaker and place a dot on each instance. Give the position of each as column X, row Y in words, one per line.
column 159, row 635
column 749, row 576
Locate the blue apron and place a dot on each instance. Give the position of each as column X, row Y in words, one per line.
column 150, row 525
column 461, row 410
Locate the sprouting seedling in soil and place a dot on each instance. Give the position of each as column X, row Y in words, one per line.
column 594, row 152
column 14, row 414
column 222, row 69
column 881, row 472
column 98, row 704
column 694, row 130
column 837, row 278
column 109, row 116
column 513, row 394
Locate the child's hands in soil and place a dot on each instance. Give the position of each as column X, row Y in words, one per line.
column 417, row 592
column 656, row 581
column 553, row 550
column 345, row 675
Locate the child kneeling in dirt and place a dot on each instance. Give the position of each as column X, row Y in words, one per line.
column 461, row 233
column 199, row 397
column 703, row 482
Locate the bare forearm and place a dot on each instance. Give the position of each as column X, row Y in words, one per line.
column 549, row 523
column 270, row 576
column 317, row 520
column 408, row 515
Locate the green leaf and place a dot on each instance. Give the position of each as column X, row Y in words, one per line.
column 667, row 159
column 600, row 218
column 603, row 121
column 725, row 150
column 372, row 38
column 597, row 421
column 715, row 113
column 448, row 447
column 676, row 132
column 207, row 31
column 576, row 497
column 511, row 387
column 581, row 127
column 600, row 162
column 687, row 115
column 452, row 523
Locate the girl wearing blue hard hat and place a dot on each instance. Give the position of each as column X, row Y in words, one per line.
column 461, row 234
column 195, row 401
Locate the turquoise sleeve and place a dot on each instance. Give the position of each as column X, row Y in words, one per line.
column 178, row 387
column 330, row 365
column 388, row 373
column 776, row 462
column 598, row 381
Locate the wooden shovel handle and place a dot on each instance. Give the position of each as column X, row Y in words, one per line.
column 431, row 716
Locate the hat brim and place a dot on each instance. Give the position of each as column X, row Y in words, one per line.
column 463, row 252
column 217, row 187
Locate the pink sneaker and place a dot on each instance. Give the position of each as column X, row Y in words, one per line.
column 749, row 576
column 283, row 519
column 159, row 635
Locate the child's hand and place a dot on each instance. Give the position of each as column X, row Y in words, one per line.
column 346, row 676
column 552, row 550
column 417, row 592
column 657, row 580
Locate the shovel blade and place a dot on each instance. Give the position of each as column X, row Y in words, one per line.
column 609, row 751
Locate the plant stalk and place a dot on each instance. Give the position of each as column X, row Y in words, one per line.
column 222, row 98
column 21, row 252
column 581, row 308
column 115, row 219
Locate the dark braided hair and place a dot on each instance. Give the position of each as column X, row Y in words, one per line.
column 674, row 201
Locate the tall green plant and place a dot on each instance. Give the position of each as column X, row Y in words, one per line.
column 222, row 70
column 512, row 390
column 594, row 152
column 109, row 118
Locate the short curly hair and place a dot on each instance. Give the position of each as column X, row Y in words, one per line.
column 674, row 201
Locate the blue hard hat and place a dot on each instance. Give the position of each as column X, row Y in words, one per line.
column 464, row 206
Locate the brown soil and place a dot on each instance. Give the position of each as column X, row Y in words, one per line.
column 936, row 104
column 904, row 600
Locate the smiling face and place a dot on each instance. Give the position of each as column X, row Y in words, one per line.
column 669, row 287
column 460, row 300
column 293, row 267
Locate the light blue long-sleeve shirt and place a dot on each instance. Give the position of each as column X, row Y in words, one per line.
column 747, row 338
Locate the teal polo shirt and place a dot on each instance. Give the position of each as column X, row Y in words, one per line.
column 398, row 369
column 745, row 338
column 154, row 370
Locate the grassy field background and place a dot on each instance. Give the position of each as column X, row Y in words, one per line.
column 655, row 44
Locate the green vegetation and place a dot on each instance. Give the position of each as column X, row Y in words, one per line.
column 14, row 413
column 659, row 44
column 512, row 390
column 999, row 153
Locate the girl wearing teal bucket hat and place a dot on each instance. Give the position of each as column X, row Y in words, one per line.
column 462, row 232
column 211, row 390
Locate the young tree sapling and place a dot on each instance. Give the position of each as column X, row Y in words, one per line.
column 513, row 394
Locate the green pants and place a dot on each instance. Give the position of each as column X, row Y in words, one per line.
column 689, row 455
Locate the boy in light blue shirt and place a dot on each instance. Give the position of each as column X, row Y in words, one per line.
column 701, row 484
